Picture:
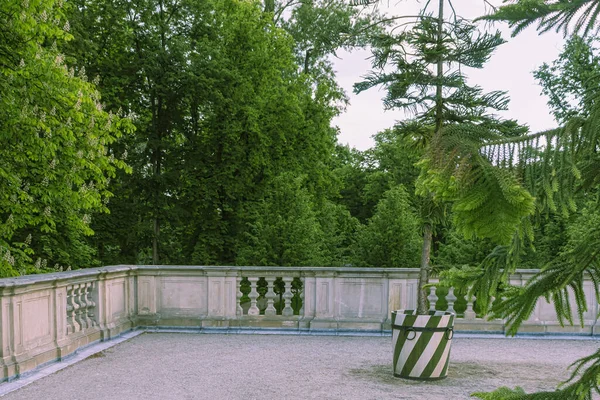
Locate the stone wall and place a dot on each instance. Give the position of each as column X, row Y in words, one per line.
column 48, row 317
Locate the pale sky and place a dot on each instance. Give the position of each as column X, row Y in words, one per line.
column 510, row 68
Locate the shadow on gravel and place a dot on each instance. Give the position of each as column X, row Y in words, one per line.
column 457, row 371
column 100, row 354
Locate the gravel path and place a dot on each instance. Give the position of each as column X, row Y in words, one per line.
column 192, row 366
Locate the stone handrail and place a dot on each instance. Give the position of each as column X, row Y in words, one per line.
column 48, row 317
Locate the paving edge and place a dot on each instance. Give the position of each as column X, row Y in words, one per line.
column 54, row 366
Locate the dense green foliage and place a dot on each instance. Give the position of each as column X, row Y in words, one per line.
column 572, row 81
column 55, row 158
column 391, row 238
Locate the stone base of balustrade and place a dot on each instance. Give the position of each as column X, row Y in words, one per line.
column 71, row 343
column 547, row 328
column 347, row 324
column 478, row 325
column 170, row 321
column 39, row 355
column 267, row 322
column 31, row 359
column 9, row 368
column 256, row 322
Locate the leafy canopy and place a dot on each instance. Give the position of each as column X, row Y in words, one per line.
column 55, row 161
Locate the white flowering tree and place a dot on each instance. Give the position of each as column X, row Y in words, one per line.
column 55, row 157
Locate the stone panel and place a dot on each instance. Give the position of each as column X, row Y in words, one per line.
column 395, row 295
column 323, row 297
column 146, row 295
column 360, row 298
column 411, row 294
column 183, row 295
column 37, row 319
column 116, row 298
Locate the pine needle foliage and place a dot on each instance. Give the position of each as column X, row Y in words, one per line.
column 575, row 16
column 572, row 81
column 488, row 200
column 411, row 85
column 420, row 66
column 554, row 166
column 547, row 165
column 581, row 385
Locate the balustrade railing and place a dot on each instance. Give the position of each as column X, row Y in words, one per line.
column 46, row 317
column 467, row 303
column 270, row 295
column 80, row 307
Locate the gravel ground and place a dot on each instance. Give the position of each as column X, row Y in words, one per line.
column 192, row 366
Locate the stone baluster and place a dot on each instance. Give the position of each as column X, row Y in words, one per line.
column 70, row 319
column 301, row 312
column 432, row 298
column 253, row 310
column 469, row 312
column 72, row 310
column 239, row 310
column 89, row 304
column 287, row 296
column 80, row 300
column 270, row 310
column 451, row 299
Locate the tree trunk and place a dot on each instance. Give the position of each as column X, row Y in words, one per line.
column 424, row 271
column 439, row 110
column 440, row 69
column 155, row 258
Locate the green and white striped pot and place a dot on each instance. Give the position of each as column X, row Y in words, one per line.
column 421, row 344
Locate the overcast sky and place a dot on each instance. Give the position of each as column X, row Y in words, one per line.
column 510, row 69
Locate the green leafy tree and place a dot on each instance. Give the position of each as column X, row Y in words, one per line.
column 55, row 161
column 340, row 233
column 221, row 108
column 391, row 239
column 286, row 229
column 571, row 82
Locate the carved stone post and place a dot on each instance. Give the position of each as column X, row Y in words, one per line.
column 301, row 294
column 270, row 310
column 432, row 298
column 72, row 310
column 469, row 312
column 89, row 304
column 287, row 296
column 253, row 297
column 239, row 311
column 451, row 298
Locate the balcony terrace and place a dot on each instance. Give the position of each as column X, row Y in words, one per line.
column 333, row 342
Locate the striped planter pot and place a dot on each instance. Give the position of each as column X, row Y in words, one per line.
column 421, row 344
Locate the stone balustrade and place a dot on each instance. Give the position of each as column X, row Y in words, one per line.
column 48, row 317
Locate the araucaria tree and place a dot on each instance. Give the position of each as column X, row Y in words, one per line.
column 422, row 69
